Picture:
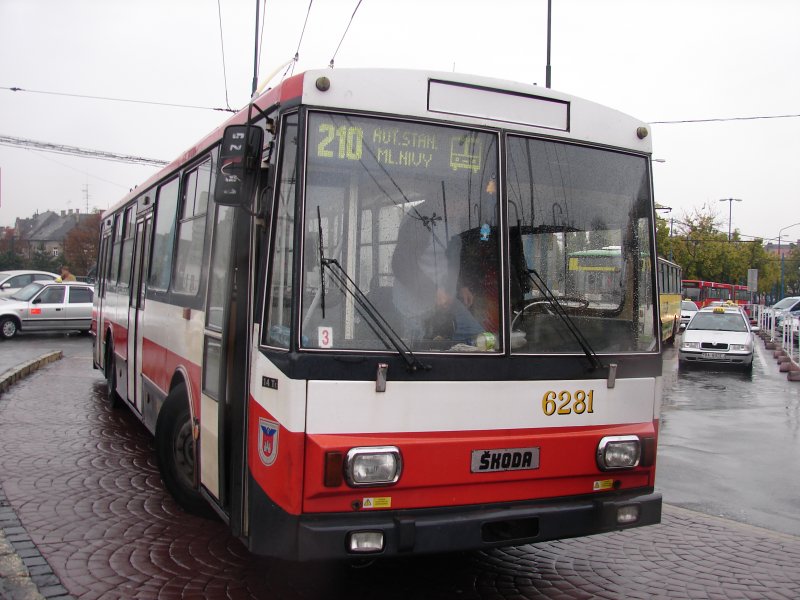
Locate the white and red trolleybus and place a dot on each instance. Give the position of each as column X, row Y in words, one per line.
column 347, row 318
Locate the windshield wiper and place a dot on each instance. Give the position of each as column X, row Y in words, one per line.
column 540, row 284
column 378, row 323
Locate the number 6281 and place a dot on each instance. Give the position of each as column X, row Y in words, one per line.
column 567, row 403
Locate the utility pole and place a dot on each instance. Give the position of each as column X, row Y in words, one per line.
column 730, row 202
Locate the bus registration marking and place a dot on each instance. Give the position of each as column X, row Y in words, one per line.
column 567, row 403
column 505, row 459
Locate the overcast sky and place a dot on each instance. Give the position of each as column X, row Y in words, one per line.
column 658, row 60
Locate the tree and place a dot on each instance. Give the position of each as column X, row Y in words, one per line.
column 705, row 252
column 80, row 244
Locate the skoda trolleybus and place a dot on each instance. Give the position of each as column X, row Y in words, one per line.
column 348, row 319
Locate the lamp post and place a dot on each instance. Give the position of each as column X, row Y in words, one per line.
column 730, row 202
column 780, row 253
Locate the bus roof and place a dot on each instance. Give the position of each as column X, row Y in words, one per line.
column 467, row 99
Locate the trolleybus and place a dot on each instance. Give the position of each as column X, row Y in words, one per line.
column 347, row 317
column 704, row 293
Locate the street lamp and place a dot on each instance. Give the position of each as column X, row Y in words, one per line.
column 730, row 202
column 781, row 253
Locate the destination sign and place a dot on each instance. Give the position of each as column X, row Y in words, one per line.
column 406, row 146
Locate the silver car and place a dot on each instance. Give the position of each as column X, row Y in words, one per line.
column 13, row 281
column 720, row 336
column 688, row 308
column 47, row 306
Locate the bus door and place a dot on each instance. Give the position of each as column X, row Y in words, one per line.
column 103, row 261
column 213, row 397
column 226, row 351
column 141, row 260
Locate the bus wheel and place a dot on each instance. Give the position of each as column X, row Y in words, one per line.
column 8, row 327
column 111, row 377
column 175, row 450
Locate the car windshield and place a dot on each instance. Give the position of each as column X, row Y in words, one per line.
column 718, row 322
column 688, row 305
column 785, row 303
column 28, row 292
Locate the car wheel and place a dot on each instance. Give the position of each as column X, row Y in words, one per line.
column 175, row 450
column 8, row 327
column 114, row 399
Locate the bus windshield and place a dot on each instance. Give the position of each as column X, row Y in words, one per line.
column 410, row 213
column 578, row 218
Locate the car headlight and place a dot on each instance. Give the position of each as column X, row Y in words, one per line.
column 618, row 452
column 739, row 347
column 690, row 345
column 377, row 465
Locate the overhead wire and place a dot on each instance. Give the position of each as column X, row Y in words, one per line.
column 300, row 41
column 222, row 46
column 345, row 33
column 6, row 140
column 110, row 99
column 725, row 119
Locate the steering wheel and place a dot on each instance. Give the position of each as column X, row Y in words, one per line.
column 565, row 301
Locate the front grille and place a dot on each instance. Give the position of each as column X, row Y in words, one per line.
column 714, row 346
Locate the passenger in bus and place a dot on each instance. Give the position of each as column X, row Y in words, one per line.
column 479, row 258
column 426, row 270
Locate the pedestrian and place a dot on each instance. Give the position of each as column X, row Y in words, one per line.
column 66, row 275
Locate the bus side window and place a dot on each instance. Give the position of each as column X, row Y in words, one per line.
column 280, row 291
column 164, row 236
column 191, row 230
column 113, row 272
column 127, row 247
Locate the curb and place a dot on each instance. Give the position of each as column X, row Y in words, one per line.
column 13, row 375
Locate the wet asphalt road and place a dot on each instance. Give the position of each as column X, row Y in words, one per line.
column 82, row 480
column 730, row 443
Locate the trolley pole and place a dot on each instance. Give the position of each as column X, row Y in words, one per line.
column 547, row 70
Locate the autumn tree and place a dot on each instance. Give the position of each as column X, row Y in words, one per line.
column 704, row 251
column 80, row 245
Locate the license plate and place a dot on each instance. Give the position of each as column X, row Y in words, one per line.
column 713, row 355
column 505, row 459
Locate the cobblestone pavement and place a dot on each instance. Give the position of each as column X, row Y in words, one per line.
column 82, row 484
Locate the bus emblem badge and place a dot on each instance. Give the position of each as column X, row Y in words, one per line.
column 268, row 440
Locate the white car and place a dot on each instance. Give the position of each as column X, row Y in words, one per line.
column 688, row 308
column 13, row 281
column 788, row 307
column 719, row 336
column 47, row 306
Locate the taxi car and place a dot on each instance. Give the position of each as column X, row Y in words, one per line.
column 688, row 308
column 721, row 336
column 13, row 281
column 47, row 306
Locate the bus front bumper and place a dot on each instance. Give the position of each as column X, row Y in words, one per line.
column 424, row 531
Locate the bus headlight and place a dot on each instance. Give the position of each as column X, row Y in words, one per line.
column 618, row 452
column 377, row 465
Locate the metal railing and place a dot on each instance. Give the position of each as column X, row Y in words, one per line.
column 781, row 338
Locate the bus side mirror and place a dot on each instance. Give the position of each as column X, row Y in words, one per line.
column 239, row 160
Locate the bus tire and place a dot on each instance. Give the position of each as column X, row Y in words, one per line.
column 114, row 399
column 175, row 451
